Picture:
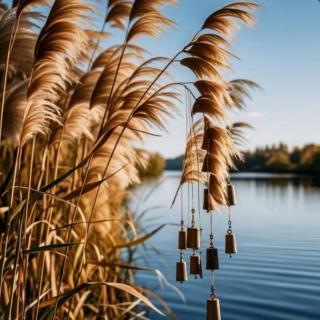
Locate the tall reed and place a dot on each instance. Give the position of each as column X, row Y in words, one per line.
column 72, row 110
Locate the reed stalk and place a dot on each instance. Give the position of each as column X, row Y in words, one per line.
column 65, row 130
column 13, row 34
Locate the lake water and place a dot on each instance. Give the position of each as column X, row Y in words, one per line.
column 276, row 273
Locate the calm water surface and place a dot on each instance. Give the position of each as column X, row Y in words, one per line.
column 276, row 273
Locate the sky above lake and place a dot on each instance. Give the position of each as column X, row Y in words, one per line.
column 281, row 53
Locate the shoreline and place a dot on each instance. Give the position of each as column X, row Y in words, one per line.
column 258, row 175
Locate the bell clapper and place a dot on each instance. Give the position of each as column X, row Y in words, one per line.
column 229, row 228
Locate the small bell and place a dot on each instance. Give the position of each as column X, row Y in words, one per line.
column 232, row 201
column 195, row 264
column 213, row 309
column 193, row 238
column 182, row 240
column 230, row 244
column 208, row 202
column 181, row 271
column 210, row 164
column 212, row 262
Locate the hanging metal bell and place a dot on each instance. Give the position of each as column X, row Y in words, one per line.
column 182, row 240
column 181, row 271
column 193, row 238
column 232, row 200
column 230, row 244
column 212, row 262
column 208, row 202
column 213, row 309
column 195, row 267
column 210, row 164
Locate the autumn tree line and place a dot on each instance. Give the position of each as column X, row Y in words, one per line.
column 275, row 158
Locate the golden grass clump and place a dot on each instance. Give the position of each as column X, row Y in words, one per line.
column 73, row 110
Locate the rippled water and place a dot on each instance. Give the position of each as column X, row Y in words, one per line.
column 276, row 273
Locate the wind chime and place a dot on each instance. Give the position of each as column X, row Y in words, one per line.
column 219, row 191
column 190, row 238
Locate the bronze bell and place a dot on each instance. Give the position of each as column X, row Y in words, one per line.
column 213, row 309
column 195, row 264
column 232, row 201
column 208, row 202
column 181, row 271
column 193, row 238
column 182, row 240
column 210, row 164
column 230, row 244
column 212, row 262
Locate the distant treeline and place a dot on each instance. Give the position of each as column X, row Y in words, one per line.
column 277, row 159
column 154, row 168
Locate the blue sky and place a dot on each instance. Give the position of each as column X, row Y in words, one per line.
column 281, row 53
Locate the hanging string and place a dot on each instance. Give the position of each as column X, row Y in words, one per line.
column 229, row 221
column 208, row 180
column 181, row 221
column 197, row 158
column 198, row 185
column 212, row 279
column 213, row 289
column 181, row 206
column 188, row 98
column 187, row 150
column 188, row 204
column 211, row 224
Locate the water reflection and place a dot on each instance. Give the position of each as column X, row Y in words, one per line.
column 275, row 276
column 280, row 179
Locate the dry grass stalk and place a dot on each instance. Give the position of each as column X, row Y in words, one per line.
column 71, row 114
